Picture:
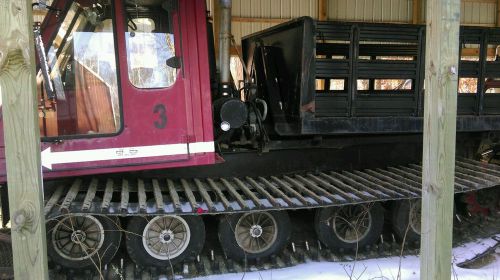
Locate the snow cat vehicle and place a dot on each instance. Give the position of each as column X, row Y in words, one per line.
column 144, row 140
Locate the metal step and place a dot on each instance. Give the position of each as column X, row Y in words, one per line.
column 229, row 195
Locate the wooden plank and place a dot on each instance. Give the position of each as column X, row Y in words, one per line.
column 417, row 10
column 480, row 1
column 498, row 13
column 323, row 10
column 260, row 20
column 475, row 51
column 22, row 139
column 441, row 82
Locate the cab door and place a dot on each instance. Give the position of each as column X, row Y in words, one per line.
column 120, row 100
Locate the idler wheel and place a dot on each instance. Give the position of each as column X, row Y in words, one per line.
column 349, row 227
column 82, row 241
column 254, row 235
column 164, row 240
column 406, row 217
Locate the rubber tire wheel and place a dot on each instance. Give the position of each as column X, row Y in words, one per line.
column 141, row 257
column 230, row 246
column 400, row 222
column 110, row 245
column 327, row 235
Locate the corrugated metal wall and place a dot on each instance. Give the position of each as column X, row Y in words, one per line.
column 479, row 13
column 371, row 10
column 275, row 9
column 473, row 12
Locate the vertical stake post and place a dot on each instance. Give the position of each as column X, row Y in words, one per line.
column 441, row 80
column 22, row 139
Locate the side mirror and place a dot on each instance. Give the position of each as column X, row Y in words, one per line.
column 174, row 62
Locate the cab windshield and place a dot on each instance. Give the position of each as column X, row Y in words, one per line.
column 82, row 69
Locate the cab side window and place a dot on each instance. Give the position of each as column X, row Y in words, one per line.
column 150, row 44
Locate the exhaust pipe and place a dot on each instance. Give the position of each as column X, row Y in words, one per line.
column 225, row 45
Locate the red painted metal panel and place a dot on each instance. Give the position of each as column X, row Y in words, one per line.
column 187, row 102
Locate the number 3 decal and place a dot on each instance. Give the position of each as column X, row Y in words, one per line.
column 161, row 122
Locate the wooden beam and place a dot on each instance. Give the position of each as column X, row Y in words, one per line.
column 475, row 52
column 498, row 13
column 417, row 11
column 441, row 79
column 236, row 51
column 480, row 1
column 479, row 24
column 260, row 20
column 22, row 139
column 323, row 10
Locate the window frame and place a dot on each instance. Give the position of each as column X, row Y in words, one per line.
column 120, row 129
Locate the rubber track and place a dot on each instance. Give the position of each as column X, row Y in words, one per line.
column 228, row 195
column 213, row 262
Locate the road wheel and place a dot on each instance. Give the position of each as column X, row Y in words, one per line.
column 406, row 217
column 164, row 240
column 82, row 241
column 349, row 227
column 254, row 235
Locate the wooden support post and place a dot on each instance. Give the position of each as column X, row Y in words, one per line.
column 498, row 13
column 322, row 10
column 417, row 9
column 441, row 79
column 22, row 139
